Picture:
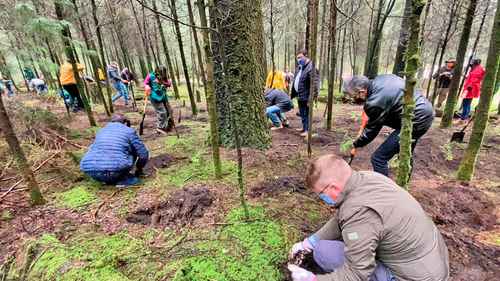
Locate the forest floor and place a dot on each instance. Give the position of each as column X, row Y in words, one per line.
column 182, row 224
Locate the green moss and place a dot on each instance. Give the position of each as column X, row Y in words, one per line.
column 6, row 215
column 198, row 169
column 86, row 133
column 78, row 196
column 91, row 257
column 245, row 251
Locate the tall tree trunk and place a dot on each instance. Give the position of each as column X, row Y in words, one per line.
column 342, row 52
column 431, row 72
column 447, row 36
column 22, row 164
column 192, row 100
column 201, row 68
column 451, row 101
column 468, row 163
column 412, row 64
column 210, row 89
column 167, row 53
column 94, row 60
column 101, row 51
column 323, row 43
column 144, row 39
column 66, row 36
column 404, row 33
column 466, row 168
column 331, row 74
column 238, row 34
column 313, row 40
column 271, row 36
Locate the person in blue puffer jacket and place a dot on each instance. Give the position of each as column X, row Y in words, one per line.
column 114, row 153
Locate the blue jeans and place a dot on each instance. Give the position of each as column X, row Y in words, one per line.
column 304, row 114
column 389, row 148
column 330, row 255
column 274, row 112
column 121, row 91
column 466, row 106
column 10, row 88
column 109, row 177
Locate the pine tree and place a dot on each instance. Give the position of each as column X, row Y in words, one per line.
column 17, row 152
column 451, row 101
column 331, row 74
column 412, row 64
column 466, row 168
column 238, row 23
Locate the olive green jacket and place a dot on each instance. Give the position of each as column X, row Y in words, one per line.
column 378, row 220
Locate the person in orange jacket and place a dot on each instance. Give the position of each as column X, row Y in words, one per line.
column 68, row 82
column 472, row 87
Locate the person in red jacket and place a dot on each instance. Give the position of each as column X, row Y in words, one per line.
column 472, row 87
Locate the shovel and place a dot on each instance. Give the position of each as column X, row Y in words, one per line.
column 141, row 125
column 459, row 136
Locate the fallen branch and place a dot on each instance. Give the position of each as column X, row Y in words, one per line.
column 104, row 202
column 10, row 189
column 65, row 139
column 45, row 161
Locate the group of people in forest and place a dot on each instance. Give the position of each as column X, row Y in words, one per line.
column 379, row 232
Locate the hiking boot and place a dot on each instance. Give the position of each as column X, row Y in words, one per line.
column 304, row 134
column 276, row 128
column 299, row 130
column 286, row 124
column 130, row 181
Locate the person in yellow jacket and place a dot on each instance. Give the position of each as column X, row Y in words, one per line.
column 68, row 82
column 277, row 82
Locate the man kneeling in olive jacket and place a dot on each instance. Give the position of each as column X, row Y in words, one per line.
column 385, row 233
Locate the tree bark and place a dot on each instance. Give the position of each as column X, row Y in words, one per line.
column 412, row 64
column 94, row 60
column 197, row 46
column 331, row 74
column 238, row 35
column 466, row 168
column 404, row 33
column 192, row 100
column 451, row 101
column 22, row 163
column 167, row 53
column 313, row 40
column 101, row 51
column 210, row 90
column 66, row 36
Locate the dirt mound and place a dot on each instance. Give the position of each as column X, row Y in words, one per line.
column 181, row 208
column 158, row 162
column 461, row 212
column 279, row 185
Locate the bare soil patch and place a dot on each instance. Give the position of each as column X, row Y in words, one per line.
column 275, row 186
column 181, row 208
column 158, row 162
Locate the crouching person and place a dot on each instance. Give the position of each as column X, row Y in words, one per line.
column 379, row 231
column 278, row 103
column 114, row 153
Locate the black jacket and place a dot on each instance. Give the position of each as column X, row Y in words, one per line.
column 305, row 82
column 384, row 107
column 279, row 98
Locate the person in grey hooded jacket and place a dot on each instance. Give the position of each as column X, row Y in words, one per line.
column 116, row 80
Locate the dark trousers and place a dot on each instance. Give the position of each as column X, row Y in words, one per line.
column 72, row 89
column 466, row 106
column 109, row 177
column 389, row 148
column 304, row 114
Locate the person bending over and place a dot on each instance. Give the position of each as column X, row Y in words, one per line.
column 278, row 103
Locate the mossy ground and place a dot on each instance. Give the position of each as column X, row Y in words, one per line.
column 79, row 196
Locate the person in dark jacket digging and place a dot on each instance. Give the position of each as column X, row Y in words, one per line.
column 278, row 103
column 384, row 107
column 302, row 86
column 379, row 231
column 114, row 153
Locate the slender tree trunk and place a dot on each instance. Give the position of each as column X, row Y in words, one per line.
column 271, row 36
column 342, row 52
column 331, row 74
column 404, row 34
column 322, row 55
column 451, row 101
column 101, row 51
column 66, row 36
column 144, row 39
column 431, row 72
column 197, row 45
column 210, row 90
column 94, row 60
column 22, row 163
column 167, row 53
column 313, row 40
column 192, row 100
column 466, row 168
column 411, row 68
column 239, row 32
